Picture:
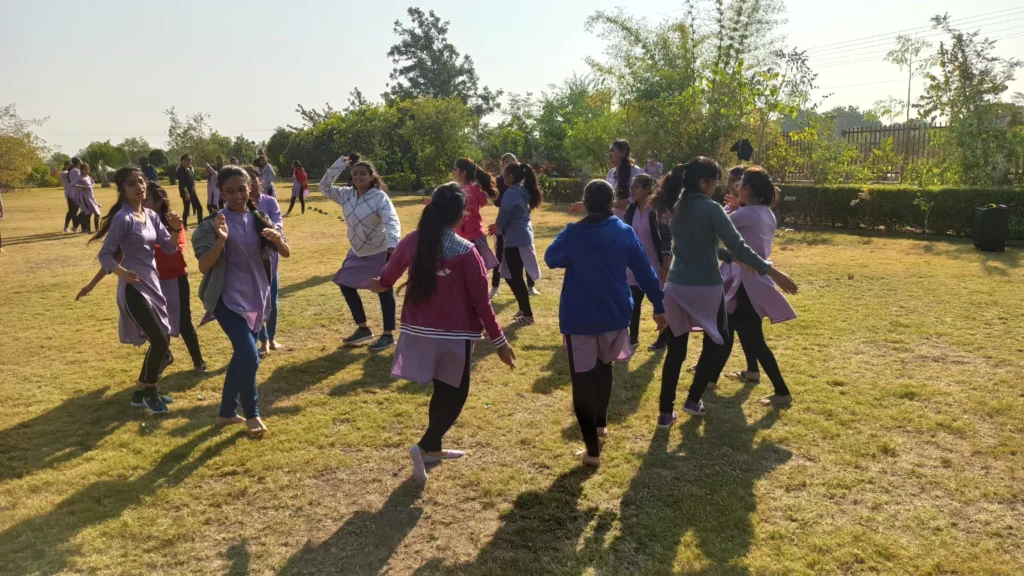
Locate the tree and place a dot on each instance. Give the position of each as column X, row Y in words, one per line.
column 103, row 157
column 20, row 149
column 907, row 54
column 275, row 148
column 312, row 116
column 356, row 100
column 241, row 148
column 158, row 158
column 193, row 135
column 438, row 132
column 57, row 159
column 427, row 65
column 135, row 148
column 966, row 90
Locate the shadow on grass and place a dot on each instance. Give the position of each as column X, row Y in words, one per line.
column 704, row 487
column 36, row 238
column 304, row 285
column 239, row 557
column 540, row 534
column 42, row 544
column 365, row 542
column 993, row 263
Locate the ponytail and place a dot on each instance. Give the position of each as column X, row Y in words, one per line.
column 120, row 178
column 524, row 174
column 478, row 175
column 447, row 204
column 761, row 185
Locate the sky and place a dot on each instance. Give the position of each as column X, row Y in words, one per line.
column 107, row 69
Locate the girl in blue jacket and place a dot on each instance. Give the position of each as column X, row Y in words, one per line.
column 596, row 305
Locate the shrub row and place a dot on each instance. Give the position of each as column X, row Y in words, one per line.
column 949, row 211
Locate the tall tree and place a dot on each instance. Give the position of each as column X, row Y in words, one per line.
column 908, row 54
column 135, row 148
column 193, row 135
column 20, row 149
column 103, row 157
column 428, row 65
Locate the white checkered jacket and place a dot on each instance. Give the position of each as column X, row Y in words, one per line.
column 373, row 225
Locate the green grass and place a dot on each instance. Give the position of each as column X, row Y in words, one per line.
column 902, row 455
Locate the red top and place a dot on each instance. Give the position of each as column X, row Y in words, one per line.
column 172, row 266
column 461, row 307
column 472, row 226
column 300, row 175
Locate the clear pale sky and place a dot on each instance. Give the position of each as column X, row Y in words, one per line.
column 248, row 64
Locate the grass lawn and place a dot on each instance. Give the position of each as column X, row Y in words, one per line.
column 904, row 452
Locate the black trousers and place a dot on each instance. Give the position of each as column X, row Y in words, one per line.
column 516, row 270
column 302, row 201
column 746, row 322
column 634, row 321
column 194, row 203
column 591, row 392
column 85, row 219
column 72, row 213
column 499, row 254
column 707, row 364
column 446, row 404
column 144, row 315
column 185, row 327
column 355, row 304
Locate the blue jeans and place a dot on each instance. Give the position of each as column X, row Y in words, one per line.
column 269, row 328
column 240, row 380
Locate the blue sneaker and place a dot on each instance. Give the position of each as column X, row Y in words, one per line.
column 154, row 402
column 139, row 400
column 695, row 408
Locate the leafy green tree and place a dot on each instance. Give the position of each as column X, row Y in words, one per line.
column 241, row 148
column 193, row 135
column 135, row 148
column 439, row 132
column 275, row 148
column 103, row 157
column 20, row 149
column 909, row 54
column 427, row 65
column 57, row 159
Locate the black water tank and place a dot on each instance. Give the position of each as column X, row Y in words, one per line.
column 991, row 227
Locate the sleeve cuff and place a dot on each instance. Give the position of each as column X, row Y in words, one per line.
column 499, row 341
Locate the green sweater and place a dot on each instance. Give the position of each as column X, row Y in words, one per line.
column 697, row 225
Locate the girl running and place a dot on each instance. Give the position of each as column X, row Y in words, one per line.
column 650, row 222
column 373, row 233
column 499, row 240
column 269, row 206
column 445, row 310
column 478, row 187
column 173, row 282
column 131, row 230
column 300, row 188
column 234, row 256
column 595, row 307
column 522, row 196
column 694, row 295
column 749, row 299
column 89, row 208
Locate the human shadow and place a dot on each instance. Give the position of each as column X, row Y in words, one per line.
column 705, row 486
column 42, row 544
column 366, row 541
column 239, row 557
column 629, row 384
column 312, row 282
column 540, row 534
column 36, row 238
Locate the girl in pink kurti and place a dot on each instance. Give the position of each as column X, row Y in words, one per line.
column 479, row 188
column 750, row 298
column 446, row 309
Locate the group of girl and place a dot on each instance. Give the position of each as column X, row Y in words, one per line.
column 640, row 238
column 237, row 251
column 83, row 210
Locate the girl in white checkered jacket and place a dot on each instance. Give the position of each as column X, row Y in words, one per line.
column 373, row 232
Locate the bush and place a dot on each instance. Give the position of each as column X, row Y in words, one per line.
column 401, row 182
column 561, row 190
column 948, row 211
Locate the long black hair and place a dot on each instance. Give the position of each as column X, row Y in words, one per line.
column 375, row 179
column 685, row 179
column 156, row 191
column 478, row 175
column 761, row 185
column 523, row 174
column 447, row 204
column 120, row 178
column 598, row 197
column 623, row 170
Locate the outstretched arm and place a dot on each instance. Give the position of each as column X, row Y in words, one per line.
column 327, row 187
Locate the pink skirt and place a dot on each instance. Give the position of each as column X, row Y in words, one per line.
column 529, row 256
column 696, row 309
column 171, row 294
column 296, row 191
column 608, row 347
column 212, row 195
column 356, row 271
column 423, row 360
column 490, row 261
column 767, row 300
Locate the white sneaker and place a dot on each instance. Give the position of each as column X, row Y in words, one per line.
column 495, row 290
column 419, row 468
column 66, row 230
column 533, row 291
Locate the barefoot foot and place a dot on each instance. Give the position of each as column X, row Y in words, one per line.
column 232, row 420
column 256, row 427
column 275, row 345
column 588, row 460
column 263, row 350
column 777, row 401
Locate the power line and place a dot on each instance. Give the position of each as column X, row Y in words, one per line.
column 860, row 59
column 958, row 21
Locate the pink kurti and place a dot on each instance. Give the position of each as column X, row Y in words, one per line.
column 757, row 226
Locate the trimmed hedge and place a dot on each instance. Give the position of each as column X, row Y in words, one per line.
column 896, row 208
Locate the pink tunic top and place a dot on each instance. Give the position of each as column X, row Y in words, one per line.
column 757, row 226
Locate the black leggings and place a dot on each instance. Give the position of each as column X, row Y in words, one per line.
column 185, row 327
column 634, row 321
column 302, row 201
column 84, row 220
column 707, row 364
column 144, row 315
column 194, row 203
column 514, row 261
column 499, row 254
column 355, row 304
column 72, row 213
column 445, row 406
column 591, row 392
column 746, row 322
